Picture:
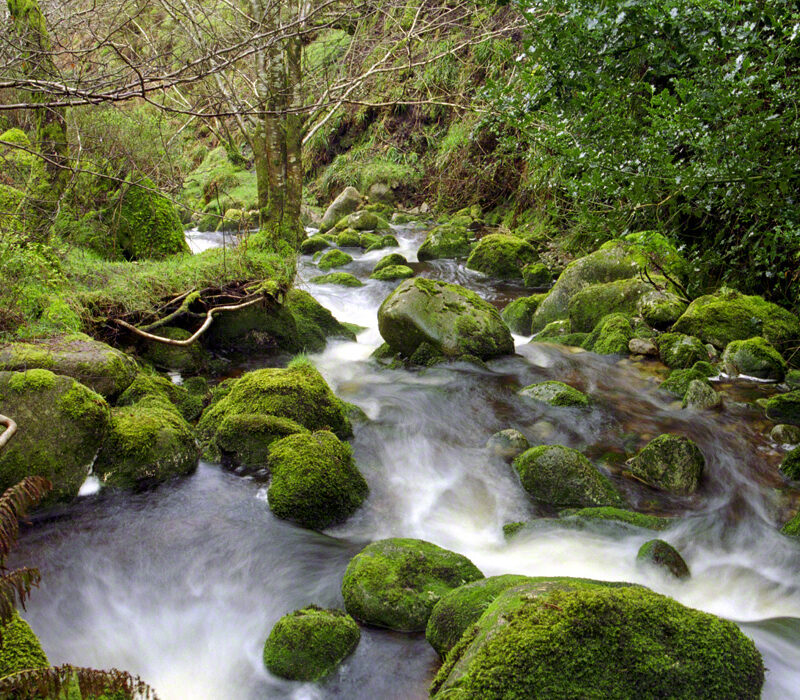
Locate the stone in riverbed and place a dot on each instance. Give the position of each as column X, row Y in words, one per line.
column 507, row 443
column 343, row 279
column 790, row 466
column 754, row 357
column 556, row 394
column 454, row 320
column 700, row 395
column 665, row 556
column 389, row 261
column 392, row 272
column 669, row 462
column 395, row 583
column 445, row 241
column 314, row 244
column 519, row 313
column 610, row 336
column 588, row 306
column 678, row 351
column 786, row 434
column 501, row 256
column 784, row 408
column 347, row 202
column 334, row 258
column 679, row 380
column 643, row 346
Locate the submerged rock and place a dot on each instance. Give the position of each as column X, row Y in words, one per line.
column 669, row 462
column 663, row 555
column 308, row 644
column 502, row 257
column 62, row 425
column 94, row 364
column 561, row 476
column 602, row 642
column 454, row 320
column 445, row 241
column 556, row 394
column 519, row 313
column 754, row 357
column 315, row 482
column 395, row 583
column 507, row 443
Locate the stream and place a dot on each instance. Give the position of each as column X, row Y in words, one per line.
column 183, row 583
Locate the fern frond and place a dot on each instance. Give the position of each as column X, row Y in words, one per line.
column 58, row 681
column 15, row 587
column 14, row 503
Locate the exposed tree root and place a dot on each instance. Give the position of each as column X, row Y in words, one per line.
column 8, row 433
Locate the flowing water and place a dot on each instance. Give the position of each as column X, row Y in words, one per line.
column 182, row 584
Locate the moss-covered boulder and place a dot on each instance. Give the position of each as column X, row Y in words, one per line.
column 189, row 404
column 660, row 309
column 20, row 648
column 386, row 241
column 147, row 224
column 314, row 244
column 790, row 465
column 297, row 394
column 784, row 408
column 445, row 241
column 389, row 261
column 349, row 238
column 669, row 462
column 94, row 364
column 664, row 556
column 726, row 316
column 560, row 476
column 364, row 220
column 679, row 351
column 502, row 257
column 343, row 279
column 61, row 423
column 678, row 381
column 792, row 527
column 190, row 359
column 395, row 583
column 618, row 516
column 610, row 336
column 588, row 306
column 508, row 444
column 334, row 258
column 454, row 320
column 786, row 434
column 462, row 607
column 346, row 203
column 148, row 442
column 537, row 275
column 519, row 313
column 393, row 272
column 599, row 642
column 700, row 395
column 556, row 394
column 307, row 644
column 754, row 357
column 315, row 482
column 560, row 333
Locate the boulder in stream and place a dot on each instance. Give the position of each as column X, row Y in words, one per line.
column 588, row 306
column 678, row 381
column 507, row 444
column 393, row 272
column 389, row 260
column 786, row 434
column 502, row 256
column 610, row 336
column 454, row 320
column 314, row 244
column 445, row 241
column 700, row 395
column 669, row 462
column 343, row 279
column 660, row 309
column 790, row 465
column 307, row 644
column 188, row 359
column 347, row 202
column 315, row 482
column 679, row 351
column 519, row 313
column 599, row 642
column 784, row 408
column 560, row 476
column 663, row 555
column 754, row 357
column 555, row 394
column 334, row 258
column 62, row 424
column 395, row 583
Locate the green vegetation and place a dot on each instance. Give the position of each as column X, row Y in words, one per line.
column 664, row 555
column 20, row 649
column 555, row 394
column 670, row 462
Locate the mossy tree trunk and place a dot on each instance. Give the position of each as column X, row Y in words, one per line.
column 49, row 182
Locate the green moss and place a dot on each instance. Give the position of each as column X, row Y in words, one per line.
column 679, row 351
column 343, row 279
column 589, row 305
column 700, row 395
column 792, row 528
column 705, row 368
column 308, row 644
column 32, row 380
column 20, row 649
column 152, row 386
column 395, row 583
column 313, row 244
column 663, row 555
column 784, row 408
column 445, row 241
column 245, row 439
column 537, row 275
column 679, row 379
column 602, row 642
column 313, row 321
column 661, row 309
column 561, row 476
column 190, row 359
column 519, row 313
column 349, row 238
column 315, row 482
column 147, row 224
column 619, row 515
column 611, row 336
column 790, row 465
column 334, row 258
column 670, row 462
column 501, row 256
column 389, row 261
column 393, row 272
column 556, row 394
column 754, row 357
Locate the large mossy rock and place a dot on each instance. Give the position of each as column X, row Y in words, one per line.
column 395, row 583
column 149, row 442
column 308, row 644
column 754, row 357
column 588, row 306
column 346, row 203
column 445, row 241
column 784, row 408
column 599, row 642
column 94, row 364
column 519, row 313
column 20, row 648
column 390, row 260
column 562, row 477
column 314, row 244
column 615, row 260
column 146, row 386
column 454, row 320
column 315, row 482
column 342, row 279
column 502, row 257
column 242, row 423
column 393, row 272
column 147, row 223
column 677, row 384
column 300, row 324
column 61, row 423
column 611, row 336
column 334, row 258
column 679, row 351
column 555, row 394
column 669, row 462
column 726, row 316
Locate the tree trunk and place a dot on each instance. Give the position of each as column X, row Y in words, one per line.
column 294, row 138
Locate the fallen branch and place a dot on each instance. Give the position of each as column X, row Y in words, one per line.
column 206, row 324
column 8, row 433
